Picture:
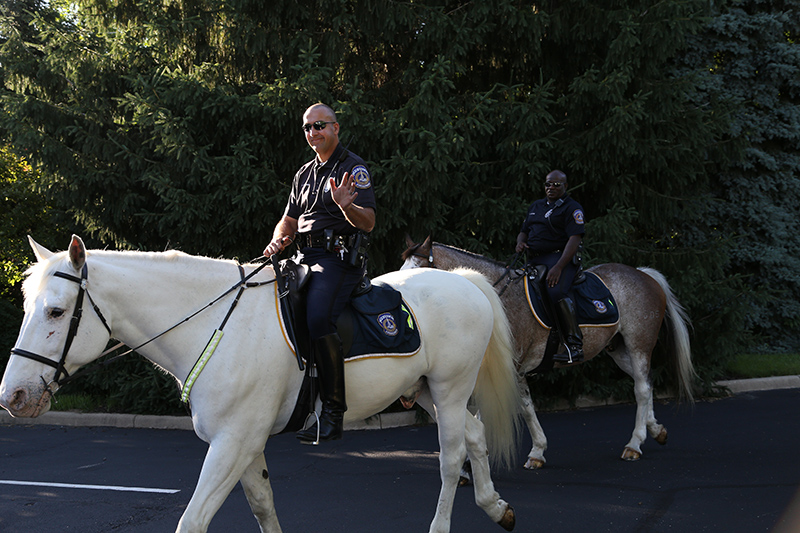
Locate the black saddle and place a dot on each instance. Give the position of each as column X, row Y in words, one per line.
column 376, row 321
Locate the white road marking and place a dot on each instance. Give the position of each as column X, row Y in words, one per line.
column 94, row 487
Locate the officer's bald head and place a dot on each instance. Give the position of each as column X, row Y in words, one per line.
column 330, row 114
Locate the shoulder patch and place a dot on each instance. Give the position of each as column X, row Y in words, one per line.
column 578, row 216
column 361, row 175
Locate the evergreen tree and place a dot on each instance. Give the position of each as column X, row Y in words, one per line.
column 752, row 55
column 161, row 124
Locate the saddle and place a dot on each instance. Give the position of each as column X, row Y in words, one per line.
column 376, row 322
column 595, row 306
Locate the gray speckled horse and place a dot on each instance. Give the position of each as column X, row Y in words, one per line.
column 645, row 301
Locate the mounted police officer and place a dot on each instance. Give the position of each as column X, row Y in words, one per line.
column 551, row 234
column 330, row 212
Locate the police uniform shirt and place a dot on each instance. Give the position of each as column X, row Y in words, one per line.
column 549, row 226
column 310, row 201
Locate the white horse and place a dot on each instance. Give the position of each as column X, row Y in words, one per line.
column 248, row 388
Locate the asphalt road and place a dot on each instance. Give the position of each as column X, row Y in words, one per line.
column 730, row 465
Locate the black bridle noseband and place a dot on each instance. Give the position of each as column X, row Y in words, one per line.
column 75, row 321
column 413, row 252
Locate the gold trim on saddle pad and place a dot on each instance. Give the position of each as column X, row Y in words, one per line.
column 548, row 328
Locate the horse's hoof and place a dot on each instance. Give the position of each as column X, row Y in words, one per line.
column 534, row 464
column 509, row 519
column 662, row 437
column 464, row 481
column 629, row 454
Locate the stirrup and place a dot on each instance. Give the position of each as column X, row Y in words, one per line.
column 306, row 426
column 566, row 358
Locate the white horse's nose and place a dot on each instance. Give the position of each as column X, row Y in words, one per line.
column 14, row 401
column 19, row 402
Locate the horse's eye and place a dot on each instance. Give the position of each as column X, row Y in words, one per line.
column 56, row 312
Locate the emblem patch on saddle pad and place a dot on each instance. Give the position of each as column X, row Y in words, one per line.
column 600, row 306
column 386, row 321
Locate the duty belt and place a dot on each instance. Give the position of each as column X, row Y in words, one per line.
column 323, row 240
column 539, row 253
column 351, row 248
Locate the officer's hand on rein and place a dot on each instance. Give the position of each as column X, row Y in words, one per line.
column 277, row 246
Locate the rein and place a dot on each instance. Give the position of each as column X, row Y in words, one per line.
column 511, row 273
column 78, row 312
column 518, row 274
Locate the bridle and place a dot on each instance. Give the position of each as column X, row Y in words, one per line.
column 77, row 313
column 413, row 252
column 75, row 321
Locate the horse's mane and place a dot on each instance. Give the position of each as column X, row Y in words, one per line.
column 37, row 274
column 472, row 255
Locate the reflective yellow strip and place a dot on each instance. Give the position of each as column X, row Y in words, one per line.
column 200, row 364
column 410, row 320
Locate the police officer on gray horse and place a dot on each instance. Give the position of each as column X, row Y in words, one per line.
column 330, row 212
column 551, row 233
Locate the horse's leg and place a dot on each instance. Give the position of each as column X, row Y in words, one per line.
column 636, row 364
column 475, row 444
column 486, row 496
column 536, row 455
column 225, row 462
column 536, row 458
column 451, row 423
column 258, row 490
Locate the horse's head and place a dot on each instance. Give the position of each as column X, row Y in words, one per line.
column 56, row 337
column 417, row 255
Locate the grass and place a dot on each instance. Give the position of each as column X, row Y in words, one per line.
column 78, row 402
column 764, row 365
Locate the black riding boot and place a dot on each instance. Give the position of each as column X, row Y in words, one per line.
column 330, row 368
column 571, row 332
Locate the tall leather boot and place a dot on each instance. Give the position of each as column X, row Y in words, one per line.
column 330, row 366
column 570, row 331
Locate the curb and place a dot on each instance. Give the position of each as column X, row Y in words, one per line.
column 77, row 419
column 756, row 384
column 379, row 421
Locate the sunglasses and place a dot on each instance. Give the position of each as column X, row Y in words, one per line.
column 555, row 184
column 318, row 125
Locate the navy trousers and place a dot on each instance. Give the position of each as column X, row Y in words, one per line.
column 332, row 281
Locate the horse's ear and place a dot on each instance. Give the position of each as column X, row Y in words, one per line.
column 428, row 243
column 77, row 253
column 39, row 251
column 409, row 242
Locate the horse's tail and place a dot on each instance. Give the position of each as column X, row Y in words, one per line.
column 678, row 323
column 496, row 391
